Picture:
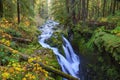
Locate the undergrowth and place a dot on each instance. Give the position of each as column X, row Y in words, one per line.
column 12, row 65
column 100, row 47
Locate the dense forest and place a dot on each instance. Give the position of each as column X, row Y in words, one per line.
column 91, row 26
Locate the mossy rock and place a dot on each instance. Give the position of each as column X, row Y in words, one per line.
column 56, row 41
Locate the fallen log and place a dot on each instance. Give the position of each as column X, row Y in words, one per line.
column 18, row 39
column 58, row 72
column 21, row 40
column 46, row 67
column 96, row 24
column 108, row 44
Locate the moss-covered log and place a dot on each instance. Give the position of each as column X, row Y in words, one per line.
column 46, row 67
column 21, row 40
column 18, row 39
column 108, row 43
column 58, row 72
column 107, row 25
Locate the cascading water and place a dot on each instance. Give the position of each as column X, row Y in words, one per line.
column 70, row 63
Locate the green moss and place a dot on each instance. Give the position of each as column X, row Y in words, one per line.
column 56, row 41
column 99, row 49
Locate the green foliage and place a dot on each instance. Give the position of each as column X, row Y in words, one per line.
column 81, row 38
column 9, row 8
column 44, row 9
column 109, row 42
column 112, row 72
column 115, row 18
column 13, row 32
column 78, row 42
column 106, row 41
column 6, row 56
column 90, row 43
column 31, row 29
column 106, row 47
column 116, row 30
column 28, row 48
column 100, row 49
column 56, row 41
column 59, row 11
column 27, row 8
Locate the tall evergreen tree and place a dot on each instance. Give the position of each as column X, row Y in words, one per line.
column 1, row 8
column 18, row 10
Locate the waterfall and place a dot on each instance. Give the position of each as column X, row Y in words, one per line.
column 70, row 63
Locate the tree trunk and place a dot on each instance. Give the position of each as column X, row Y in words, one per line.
column 87, row 10
column 73, row 12
column 117, row 5
column 67, row 6
column 18, row 10
column 114, row 6
column 79, row 11
column 98, row 7
column 111, row 6
column 1, row 8
column 104, row 3
column 68, row 12
column 83, row 12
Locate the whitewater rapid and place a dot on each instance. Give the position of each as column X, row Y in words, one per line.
column 70, row 62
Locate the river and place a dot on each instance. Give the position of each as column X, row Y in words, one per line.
column 70, row 62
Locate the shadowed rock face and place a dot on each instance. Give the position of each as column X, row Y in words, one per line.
column 71, row 62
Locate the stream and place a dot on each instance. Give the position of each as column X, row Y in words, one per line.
column 70, row 62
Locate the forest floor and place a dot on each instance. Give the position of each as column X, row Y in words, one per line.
column 23, row 39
